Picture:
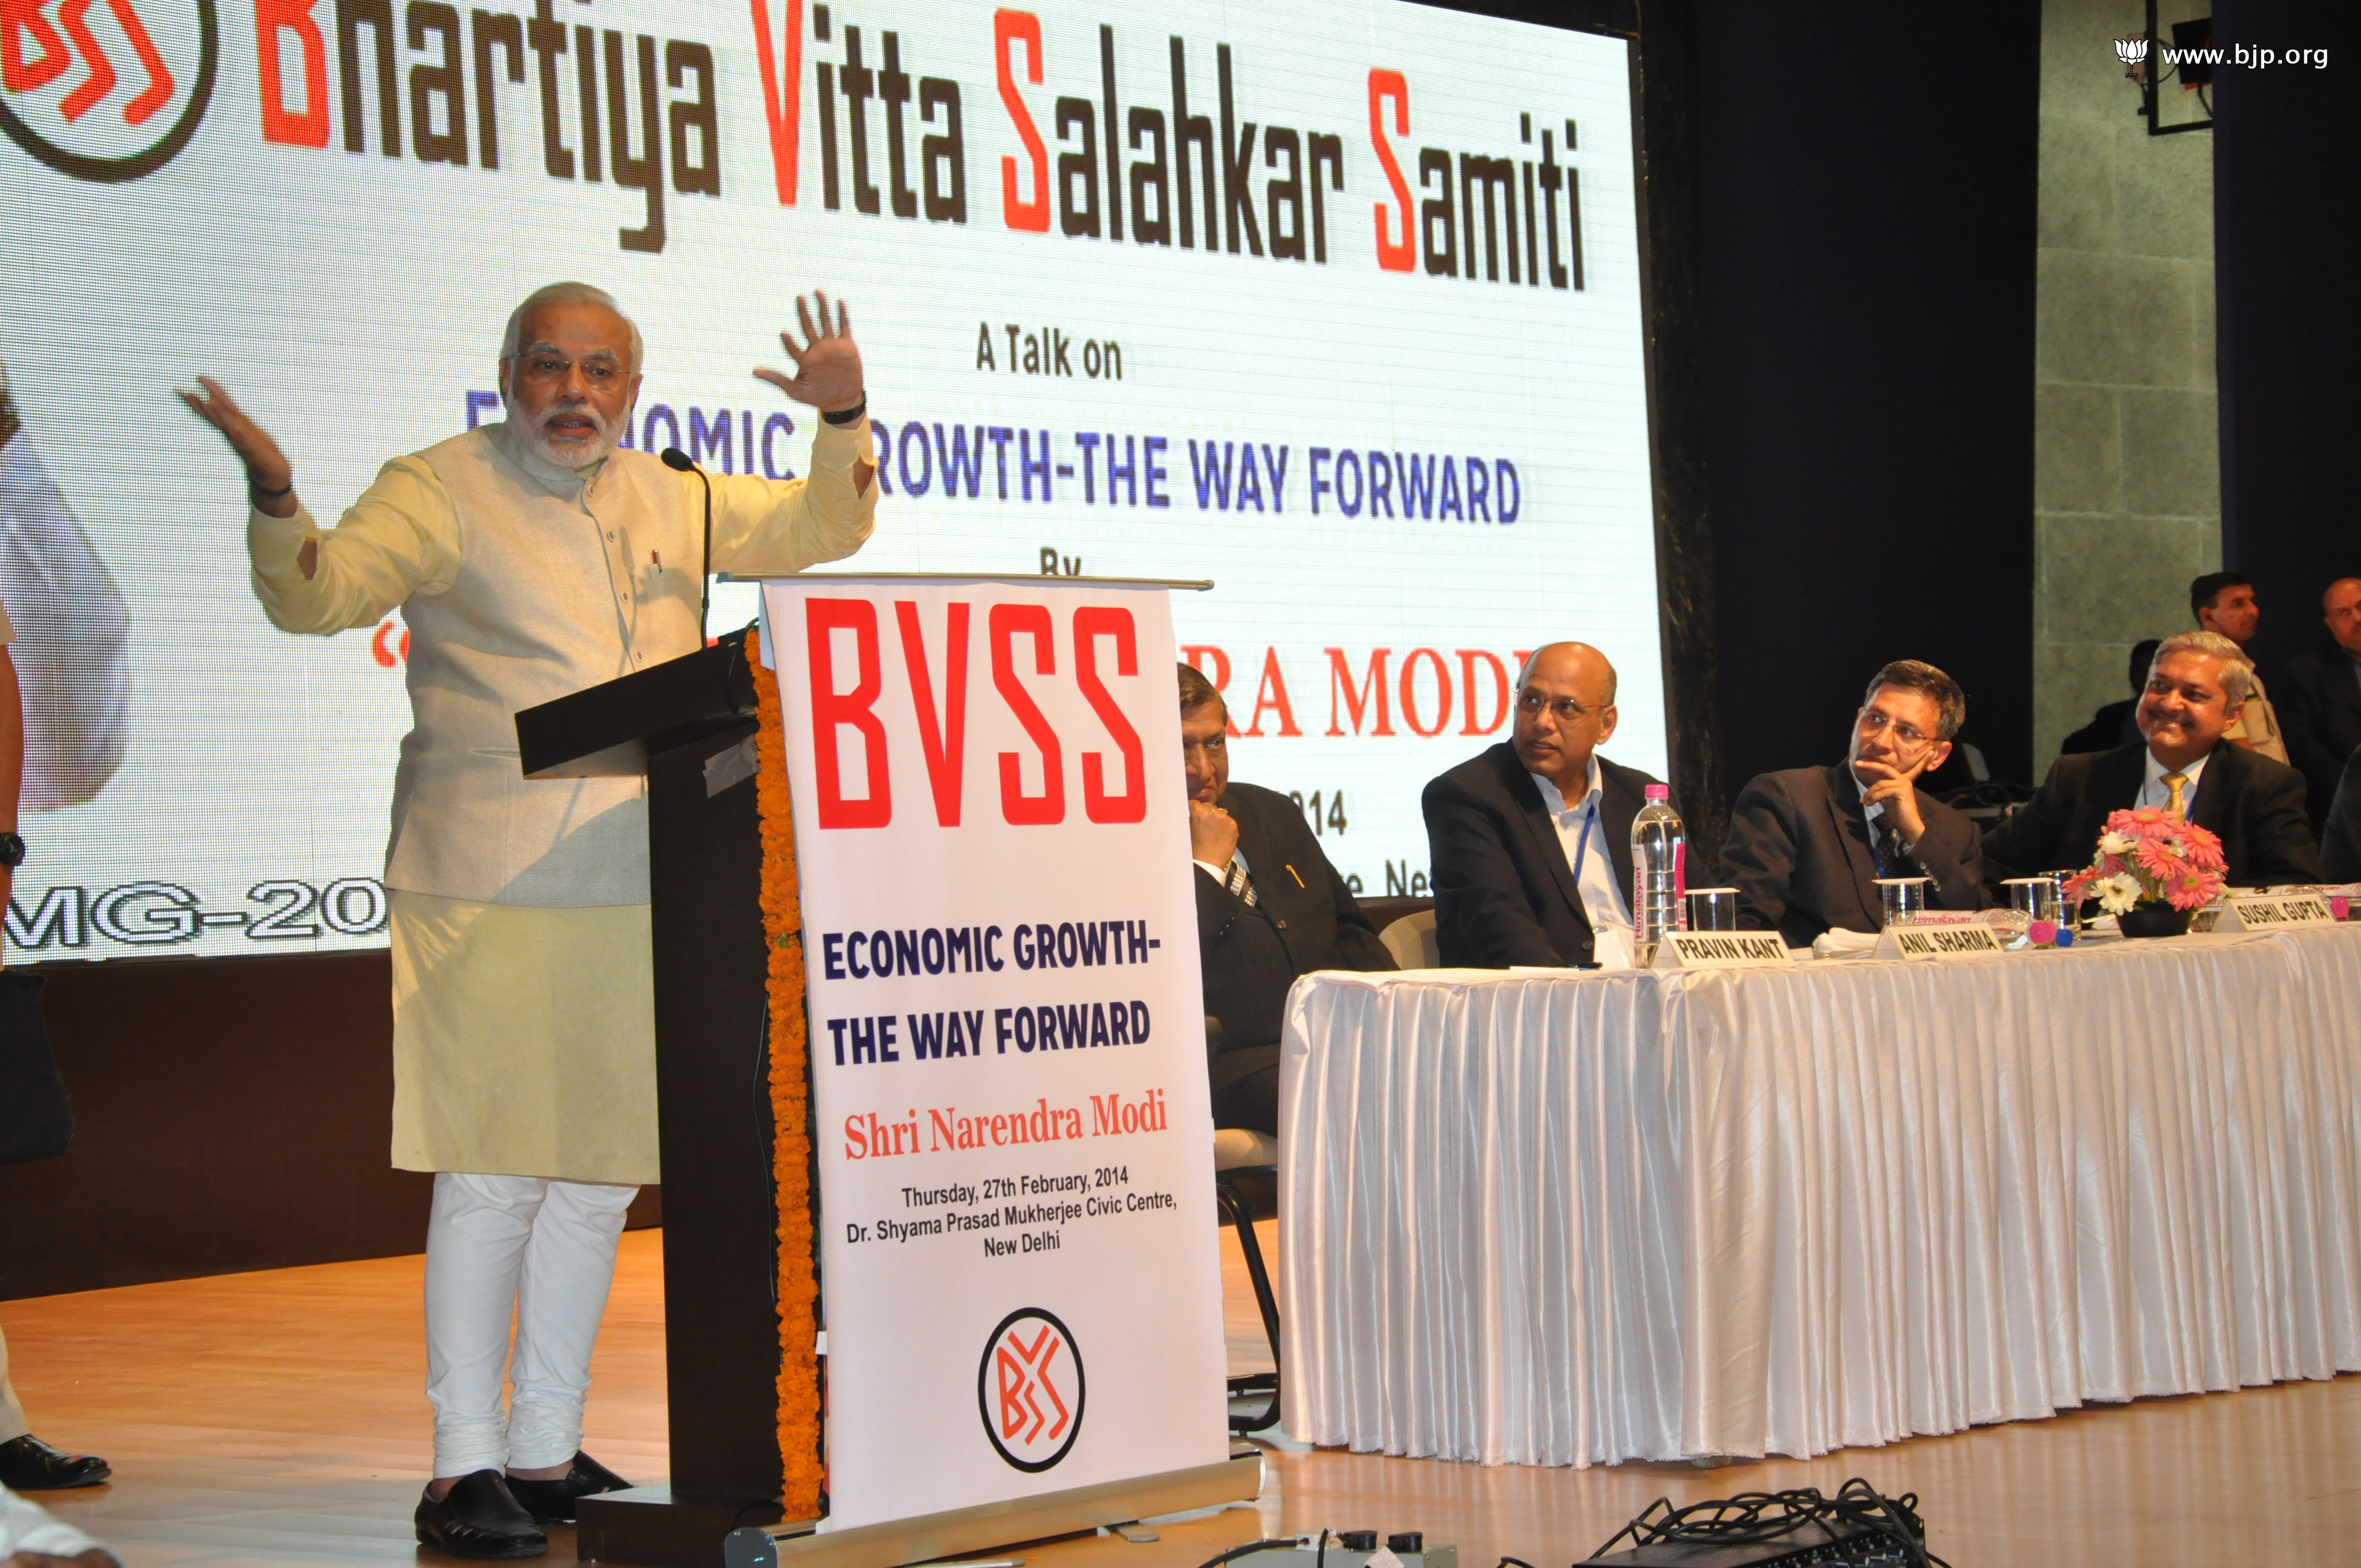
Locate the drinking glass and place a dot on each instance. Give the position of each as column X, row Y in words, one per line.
column 1901, row 899
column 1713, row 908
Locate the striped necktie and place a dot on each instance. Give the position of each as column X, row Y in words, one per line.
column 1241, row 883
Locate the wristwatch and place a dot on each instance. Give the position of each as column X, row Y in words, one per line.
column 12, row 850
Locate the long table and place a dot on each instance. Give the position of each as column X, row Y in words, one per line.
column 1552, row 1218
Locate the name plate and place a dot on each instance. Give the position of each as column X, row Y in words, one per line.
column 1939, row 942
column 2274, row 912
column 1720, row 949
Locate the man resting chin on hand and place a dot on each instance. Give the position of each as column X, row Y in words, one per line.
column 1270, row 907
column 1808, row 846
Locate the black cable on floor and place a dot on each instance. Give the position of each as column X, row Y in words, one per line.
column 1252, row 1547
column 1755, row 1519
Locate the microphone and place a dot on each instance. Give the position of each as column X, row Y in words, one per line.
column 682, row 463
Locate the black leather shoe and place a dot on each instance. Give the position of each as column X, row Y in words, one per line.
column 28, row 1465
column 478, row 1517
column 551, row 1502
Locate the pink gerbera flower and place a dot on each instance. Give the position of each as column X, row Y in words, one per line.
column 2189, row 889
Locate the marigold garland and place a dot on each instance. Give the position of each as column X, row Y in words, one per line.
column 804, row 1463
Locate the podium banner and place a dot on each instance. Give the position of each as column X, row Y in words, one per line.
column 1022, row 1280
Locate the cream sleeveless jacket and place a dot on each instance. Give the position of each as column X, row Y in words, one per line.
column 520, row 582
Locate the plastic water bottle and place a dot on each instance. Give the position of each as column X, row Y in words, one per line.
column 1659, row 875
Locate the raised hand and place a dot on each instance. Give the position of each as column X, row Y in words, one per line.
column 267, row 467
column 827, row 368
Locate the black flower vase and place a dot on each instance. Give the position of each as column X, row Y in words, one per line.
column 2154, row 919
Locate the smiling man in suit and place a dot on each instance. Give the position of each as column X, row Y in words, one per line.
column 1270, row 907
column 2181, row 765
column 1530, row 840
column 1807, row 845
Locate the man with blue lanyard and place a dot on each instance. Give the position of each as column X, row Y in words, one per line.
column 1530, row 839
column 1807, row 845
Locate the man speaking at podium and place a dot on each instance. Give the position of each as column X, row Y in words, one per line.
column 531, row 559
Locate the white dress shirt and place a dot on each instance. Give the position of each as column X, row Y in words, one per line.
column 1607, row 906
column 2154, row 792
column 1870, row 810
column 1222, row 874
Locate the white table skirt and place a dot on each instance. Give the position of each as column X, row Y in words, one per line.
column 1560, row 1219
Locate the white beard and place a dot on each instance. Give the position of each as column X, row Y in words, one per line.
column 571, row 454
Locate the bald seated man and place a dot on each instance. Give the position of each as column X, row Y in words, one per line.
column 1530, row 840
column 2320, row 703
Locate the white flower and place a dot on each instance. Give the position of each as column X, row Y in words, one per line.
column 2119, row 892
column 2115, row 844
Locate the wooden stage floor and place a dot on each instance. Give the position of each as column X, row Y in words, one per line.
column 277, row 1418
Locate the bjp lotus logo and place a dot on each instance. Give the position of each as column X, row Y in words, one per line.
column 2131, row 51
column 106, row 91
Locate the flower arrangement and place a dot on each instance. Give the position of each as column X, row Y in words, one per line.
column 2148, row 857
column 799, row 1384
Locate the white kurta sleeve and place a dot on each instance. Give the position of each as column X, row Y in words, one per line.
column 401, row 537
column 770, row 528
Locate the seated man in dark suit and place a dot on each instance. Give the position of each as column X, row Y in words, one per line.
column 2340, row 841
column 1807, row 845
column 2184, row 766
column 2319, row 708
column 2116, row 723
column 1270, row 907
column 1531, row 841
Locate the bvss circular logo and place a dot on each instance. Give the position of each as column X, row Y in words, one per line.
column 106, row 90
column 1029, row 1389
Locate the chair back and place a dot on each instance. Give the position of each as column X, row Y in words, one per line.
column 1243, row 1149
column 1411, row 940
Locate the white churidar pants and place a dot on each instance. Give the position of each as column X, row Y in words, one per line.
column 539, row 1251
column 12, row 1424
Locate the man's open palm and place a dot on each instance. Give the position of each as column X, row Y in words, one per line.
column 827, row 368
column 266, row 465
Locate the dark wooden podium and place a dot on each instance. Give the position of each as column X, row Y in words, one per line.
column 688, row 726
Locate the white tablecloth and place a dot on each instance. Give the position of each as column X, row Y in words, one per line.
column 1559, row 1219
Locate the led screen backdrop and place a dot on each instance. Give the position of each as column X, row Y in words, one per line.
column 1335, row 304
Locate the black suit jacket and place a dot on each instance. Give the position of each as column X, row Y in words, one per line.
column 2254, row 804
column 2340, row 841
column 1800, row 855
column 2319, row 704
column 2110, row 727
column 1302, row 920
column 1503, row 892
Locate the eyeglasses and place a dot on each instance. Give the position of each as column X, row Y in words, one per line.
column 1567, row 708
column 1907, row 735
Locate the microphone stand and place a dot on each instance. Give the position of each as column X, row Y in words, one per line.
column 681, row 462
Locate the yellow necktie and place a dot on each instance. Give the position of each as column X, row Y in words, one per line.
column 2176, row 783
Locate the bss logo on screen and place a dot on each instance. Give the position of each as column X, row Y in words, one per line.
column 107, row 92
